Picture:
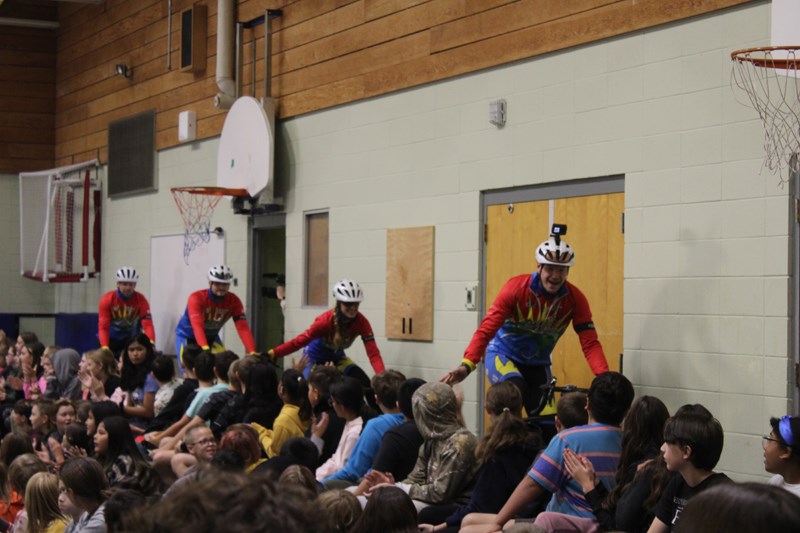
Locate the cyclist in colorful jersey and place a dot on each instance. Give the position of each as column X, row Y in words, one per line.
column 208, row 310
column 333, row 331
column 524, row 323
column 123, row 313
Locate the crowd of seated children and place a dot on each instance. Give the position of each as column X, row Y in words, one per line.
column 504, row 454
column 400, row 444
column 445, row 469
column 641, row 474
column 385, row 386
column 600, row 441
column 208, row 369
column 182, row 396
column 226, row 373
column 76, row 466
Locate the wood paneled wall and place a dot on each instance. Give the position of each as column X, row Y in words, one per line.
column 325, row 53
column 27, row 89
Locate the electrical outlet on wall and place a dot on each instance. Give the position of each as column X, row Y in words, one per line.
column 471, row 302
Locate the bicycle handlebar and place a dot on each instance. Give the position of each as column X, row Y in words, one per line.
column 548, row 393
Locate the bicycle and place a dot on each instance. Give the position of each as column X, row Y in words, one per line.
column 545, row 425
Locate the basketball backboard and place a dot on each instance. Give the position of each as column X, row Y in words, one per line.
column 247, row 147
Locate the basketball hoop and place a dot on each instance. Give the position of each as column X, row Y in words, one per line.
column 769, row 77
column 196, row 205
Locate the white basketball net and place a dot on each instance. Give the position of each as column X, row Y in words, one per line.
column 769, row 78
column 196, row 205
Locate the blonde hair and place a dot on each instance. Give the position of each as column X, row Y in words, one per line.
column 105, row 359
column 342, row 509
column 41, row 502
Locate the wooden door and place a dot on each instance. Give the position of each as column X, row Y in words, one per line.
column 594, row 231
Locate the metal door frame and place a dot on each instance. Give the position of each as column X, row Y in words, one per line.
column 531, row 193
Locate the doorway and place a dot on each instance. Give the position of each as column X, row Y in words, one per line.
column 517, row 220
column 268, row 238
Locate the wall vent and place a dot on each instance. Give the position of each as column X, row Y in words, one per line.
column 132, row 155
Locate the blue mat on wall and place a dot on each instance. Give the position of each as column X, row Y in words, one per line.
column 9, row 324
column 77, row 330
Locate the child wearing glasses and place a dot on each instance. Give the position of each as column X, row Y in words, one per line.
column 782, row 453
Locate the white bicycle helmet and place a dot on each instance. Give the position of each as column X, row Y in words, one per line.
column 127, row 275
column 220, row 274
column 554, row 251
column 348, row 291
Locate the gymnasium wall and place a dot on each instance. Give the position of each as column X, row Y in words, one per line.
column 325, row 53
column 707, row 237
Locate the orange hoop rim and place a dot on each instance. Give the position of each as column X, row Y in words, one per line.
column 211, row 191
column 766, row 61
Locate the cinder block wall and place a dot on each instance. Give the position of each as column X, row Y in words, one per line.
column 707, row 237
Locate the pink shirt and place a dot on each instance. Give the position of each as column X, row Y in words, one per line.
column 347, row 442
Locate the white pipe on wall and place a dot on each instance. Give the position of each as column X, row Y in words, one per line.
column 225, row 81
column 29, row 23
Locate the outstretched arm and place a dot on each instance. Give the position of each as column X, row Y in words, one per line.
column 526, row 492
column 146, row 319
column 584, row 327
column 104, row 320
column 194, row 308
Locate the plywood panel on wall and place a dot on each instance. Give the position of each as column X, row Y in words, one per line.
column 409, row 283
column 325, row 53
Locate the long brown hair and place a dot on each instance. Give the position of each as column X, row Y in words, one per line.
column 642, row 435
column 504, row 401
column 337, row 330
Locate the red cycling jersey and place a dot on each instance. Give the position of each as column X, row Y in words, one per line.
column 118, row 317
column 320, row 335
column 525, row 322
column 206, row 314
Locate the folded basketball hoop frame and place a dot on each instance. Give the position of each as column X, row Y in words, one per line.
column 60, row 217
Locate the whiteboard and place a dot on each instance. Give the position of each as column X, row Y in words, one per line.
column 172, row 281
